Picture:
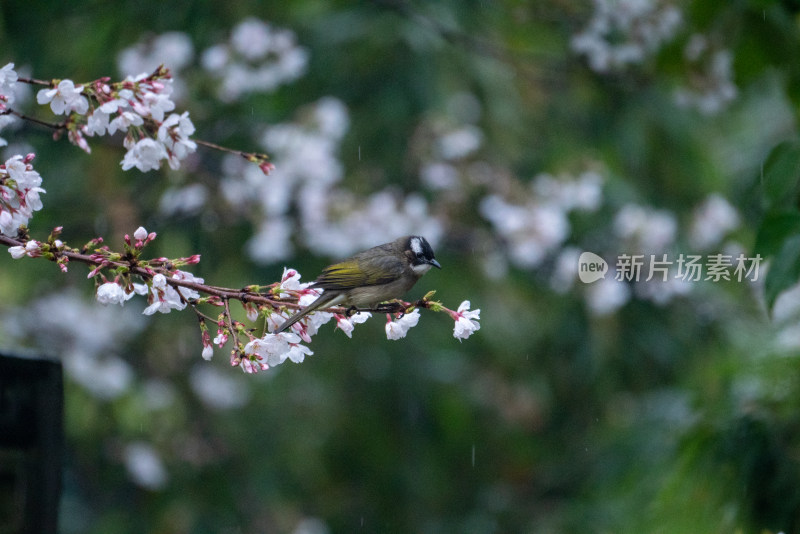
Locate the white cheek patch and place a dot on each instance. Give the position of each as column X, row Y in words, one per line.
column 421, row 269
column 416, row 246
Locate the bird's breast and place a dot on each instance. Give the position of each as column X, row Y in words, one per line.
column 370, row 295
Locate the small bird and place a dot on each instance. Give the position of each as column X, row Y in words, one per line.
column 381, row 273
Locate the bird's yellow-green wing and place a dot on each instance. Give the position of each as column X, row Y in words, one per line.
column 352, row 273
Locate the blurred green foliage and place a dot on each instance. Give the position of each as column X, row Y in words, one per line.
column 680, row 417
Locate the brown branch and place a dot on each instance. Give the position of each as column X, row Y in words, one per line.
column 225, row 294
column 34, row 81
column 51, row 125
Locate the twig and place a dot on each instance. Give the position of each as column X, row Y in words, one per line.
column 224, row 294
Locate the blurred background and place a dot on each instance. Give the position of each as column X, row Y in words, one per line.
column 514, row 136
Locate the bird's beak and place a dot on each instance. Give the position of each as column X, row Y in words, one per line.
column 435, row 264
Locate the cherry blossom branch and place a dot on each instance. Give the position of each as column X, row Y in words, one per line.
column 51, row 125
column 56, row 251
column 169, row 288
column 136, row 106
column 34, row 81
column 139, row 107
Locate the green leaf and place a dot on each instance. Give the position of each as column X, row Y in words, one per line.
column 780, row 175
column 775, row 229
column 784, row 270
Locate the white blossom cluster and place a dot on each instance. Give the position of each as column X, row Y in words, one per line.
column 8, row 85
column 642, row 230
column 8, row 80
column 535, row 226
column 337, row 222
column 710, row 86
column 19, row 193
column 645, row 230
column 449, row 144
column 626, row 32
column 161, row 296
column 257, row 58
column 306, row 180
column 124, row 107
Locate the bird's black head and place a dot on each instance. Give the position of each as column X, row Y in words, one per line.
column 421, row 254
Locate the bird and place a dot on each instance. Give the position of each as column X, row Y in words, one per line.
column 370, row 277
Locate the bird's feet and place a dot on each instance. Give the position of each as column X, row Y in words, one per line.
column 395, row 306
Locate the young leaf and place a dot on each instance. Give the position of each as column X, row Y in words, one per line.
column 780, row 176
column 776, row 228
column 784, row 270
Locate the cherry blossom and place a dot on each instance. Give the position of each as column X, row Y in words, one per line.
column 32, row 249
column 64, row 98
column 145, row 155
column 19, row 193
column 399, row 328
column 274, row 349
column 8, row 78
column 466, row 321
column 163, row 297
column 347, row 324
column 112, row 293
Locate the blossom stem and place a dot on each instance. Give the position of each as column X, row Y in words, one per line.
column 221, row 148
column 51, row 125
column 34, row 81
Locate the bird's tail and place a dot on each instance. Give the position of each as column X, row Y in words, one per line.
column 322, row 301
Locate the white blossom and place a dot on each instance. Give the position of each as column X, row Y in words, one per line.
column 112, row 293
column 625, row 32
column 218, row 388
column 347, row 324
column 164, row 298
column 188, row 293
column 712, row 221
column 648, row 230
column 97, row 122
column 460, row 143
column 64, row 98
column 466, row 321
column 123, row 121
column 709, row 85
column 174, row 49
column 145, row 155
column 252, row 38
column 19, row 201
column 257, row 58
column 398, row 328
column 274, row 349
column 16, row 252
column 297, row 353
column 145, row 466
column 607, row 295
column 154, row 105
column 8, row 79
